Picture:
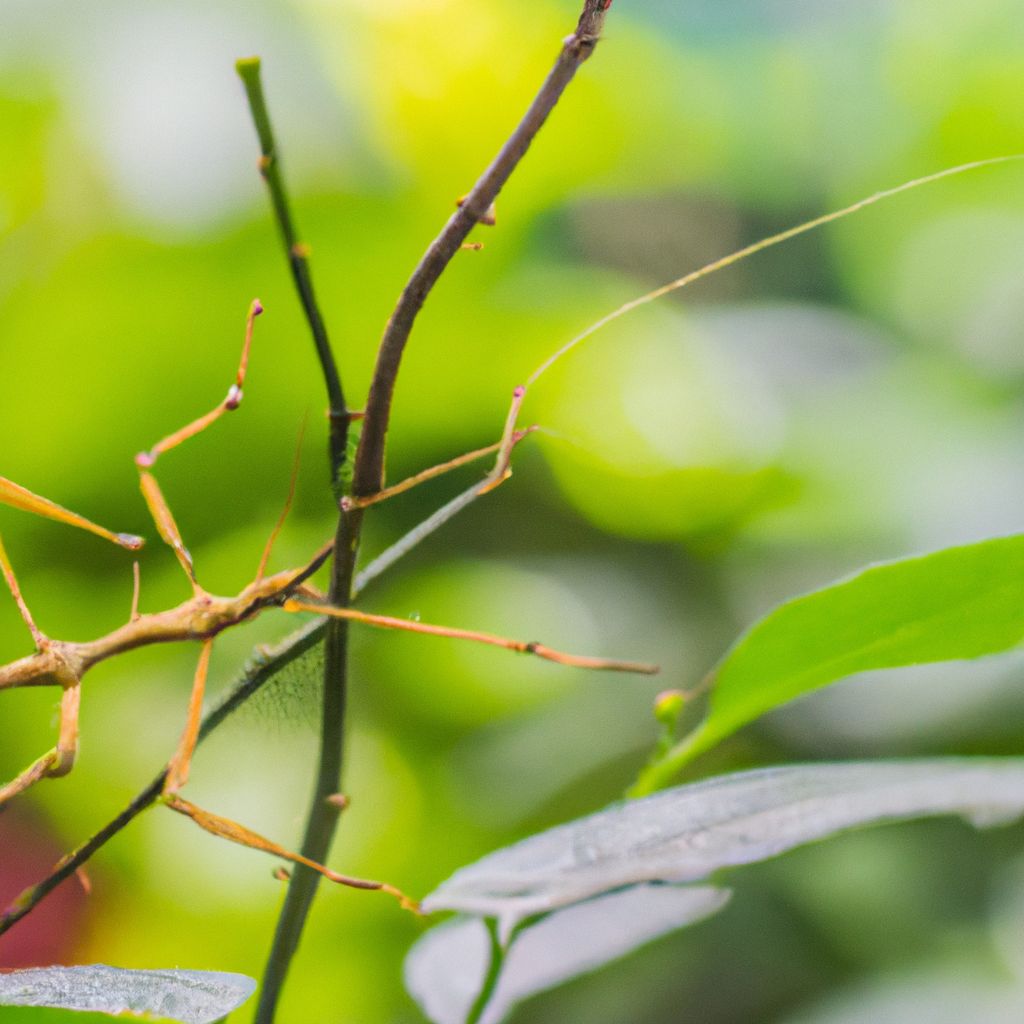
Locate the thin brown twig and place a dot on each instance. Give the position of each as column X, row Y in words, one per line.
column 576, row 49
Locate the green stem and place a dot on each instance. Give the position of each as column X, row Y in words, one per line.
column 490, row 983
column 661, row 770
column 296, row 253
column 322, row 820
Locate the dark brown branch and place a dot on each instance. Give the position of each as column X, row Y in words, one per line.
column 576, row 49
column 368, row 479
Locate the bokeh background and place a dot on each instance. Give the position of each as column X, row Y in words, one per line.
column 853, row 395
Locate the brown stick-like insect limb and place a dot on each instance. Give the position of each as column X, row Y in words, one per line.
column 452, row 633
column 225, row 828
column 204, row 616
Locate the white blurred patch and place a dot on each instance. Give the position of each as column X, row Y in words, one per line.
column 899, row 709
column 694, row 405
column 972, row 303
column 160, row 105
column 152, row 92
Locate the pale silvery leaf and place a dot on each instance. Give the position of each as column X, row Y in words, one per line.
column 686, row 833
column 444, row 971
column 192, row 997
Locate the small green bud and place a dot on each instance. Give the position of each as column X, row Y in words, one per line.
column 668, row 706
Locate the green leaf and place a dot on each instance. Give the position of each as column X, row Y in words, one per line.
column 958, row 603
column 192, row 997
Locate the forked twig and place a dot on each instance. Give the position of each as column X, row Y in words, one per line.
column 368, row 478
column 475, row 206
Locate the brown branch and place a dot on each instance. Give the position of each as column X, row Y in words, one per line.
column 368, row 475
column 575, row 50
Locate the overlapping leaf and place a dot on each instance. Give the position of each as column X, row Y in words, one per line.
column 689, row 832
column 445, row 969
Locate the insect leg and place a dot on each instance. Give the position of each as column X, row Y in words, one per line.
column 522, row 646
column 155, row 501
column 58, row 761
column 510, row 437
column 16, row 496
column 177, row 772
column 38, row 638
column 177, row 776
column 225, row 828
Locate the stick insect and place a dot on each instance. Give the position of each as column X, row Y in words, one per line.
column 60, row 663
column 203, row 616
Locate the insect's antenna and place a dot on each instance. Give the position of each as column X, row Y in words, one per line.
column 756, row 247
column 292, row 483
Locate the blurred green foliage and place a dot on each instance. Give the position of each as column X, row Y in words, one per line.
column 854, row 395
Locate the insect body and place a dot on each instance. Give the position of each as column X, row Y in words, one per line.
column 203, row 616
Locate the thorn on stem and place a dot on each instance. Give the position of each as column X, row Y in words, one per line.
column 490, row 217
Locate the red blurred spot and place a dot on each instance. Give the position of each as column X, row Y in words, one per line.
column 51, row 933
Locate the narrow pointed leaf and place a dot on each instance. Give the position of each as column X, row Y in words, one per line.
column 192, row 997
column 686, row 833
column 444, row 971
column 962, row 602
